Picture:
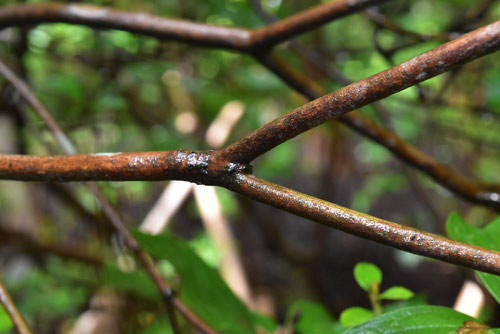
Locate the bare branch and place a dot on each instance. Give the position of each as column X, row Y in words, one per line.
column 151, row 166
column 365, row 226
column 14, row 314
column 469, row 189
column 427, row 65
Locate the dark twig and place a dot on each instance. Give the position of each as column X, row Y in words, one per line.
column 17, row 319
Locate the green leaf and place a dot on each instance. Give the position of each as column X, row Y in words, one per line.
column 137, row 283
column 202, row 288
column 265, row 322
column 5, row 322
column 312, row 318
column 397, row 293
column 417, row 300
column 355, row 316
column 366, row 274
column 487, row 237
column 414, row 320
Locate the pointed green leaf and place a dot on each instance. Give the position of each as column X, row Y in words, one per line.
column 366, row 274
column 397, row 293
column 202, row 288
column 355, row 316
column 487, row 237
column 137, row 282
column 414, row 320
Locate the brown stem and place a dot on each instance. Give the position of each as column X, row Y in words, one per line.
column 15, row 316
column 366, row 226
column 144, row 166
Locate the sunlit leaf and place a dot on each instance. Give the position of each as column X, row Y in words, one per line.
column 397, row 293
column 366, row 274
column 355, row 316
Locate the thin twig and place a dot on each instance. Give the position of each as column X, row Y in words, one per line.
column 15, row 316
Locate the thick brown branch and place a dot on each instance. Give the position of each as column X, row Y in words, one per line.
column 365, row 226
column 461, row 50
column 15, row 316
column 476, row 192
column 151, row 166
column 182, row 30
column 140, row 23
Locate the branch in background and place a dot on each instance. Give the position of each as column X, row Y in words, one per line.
column 383, row 21
column 15, row 316
column 181, row 30
column 113, row 217
column 38, row 247
column 365, row 226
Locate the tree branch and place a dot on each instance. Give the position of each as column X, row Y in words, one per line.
column 466, row 48
column 138, row 166
column 469, row 189
column 365, row 226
